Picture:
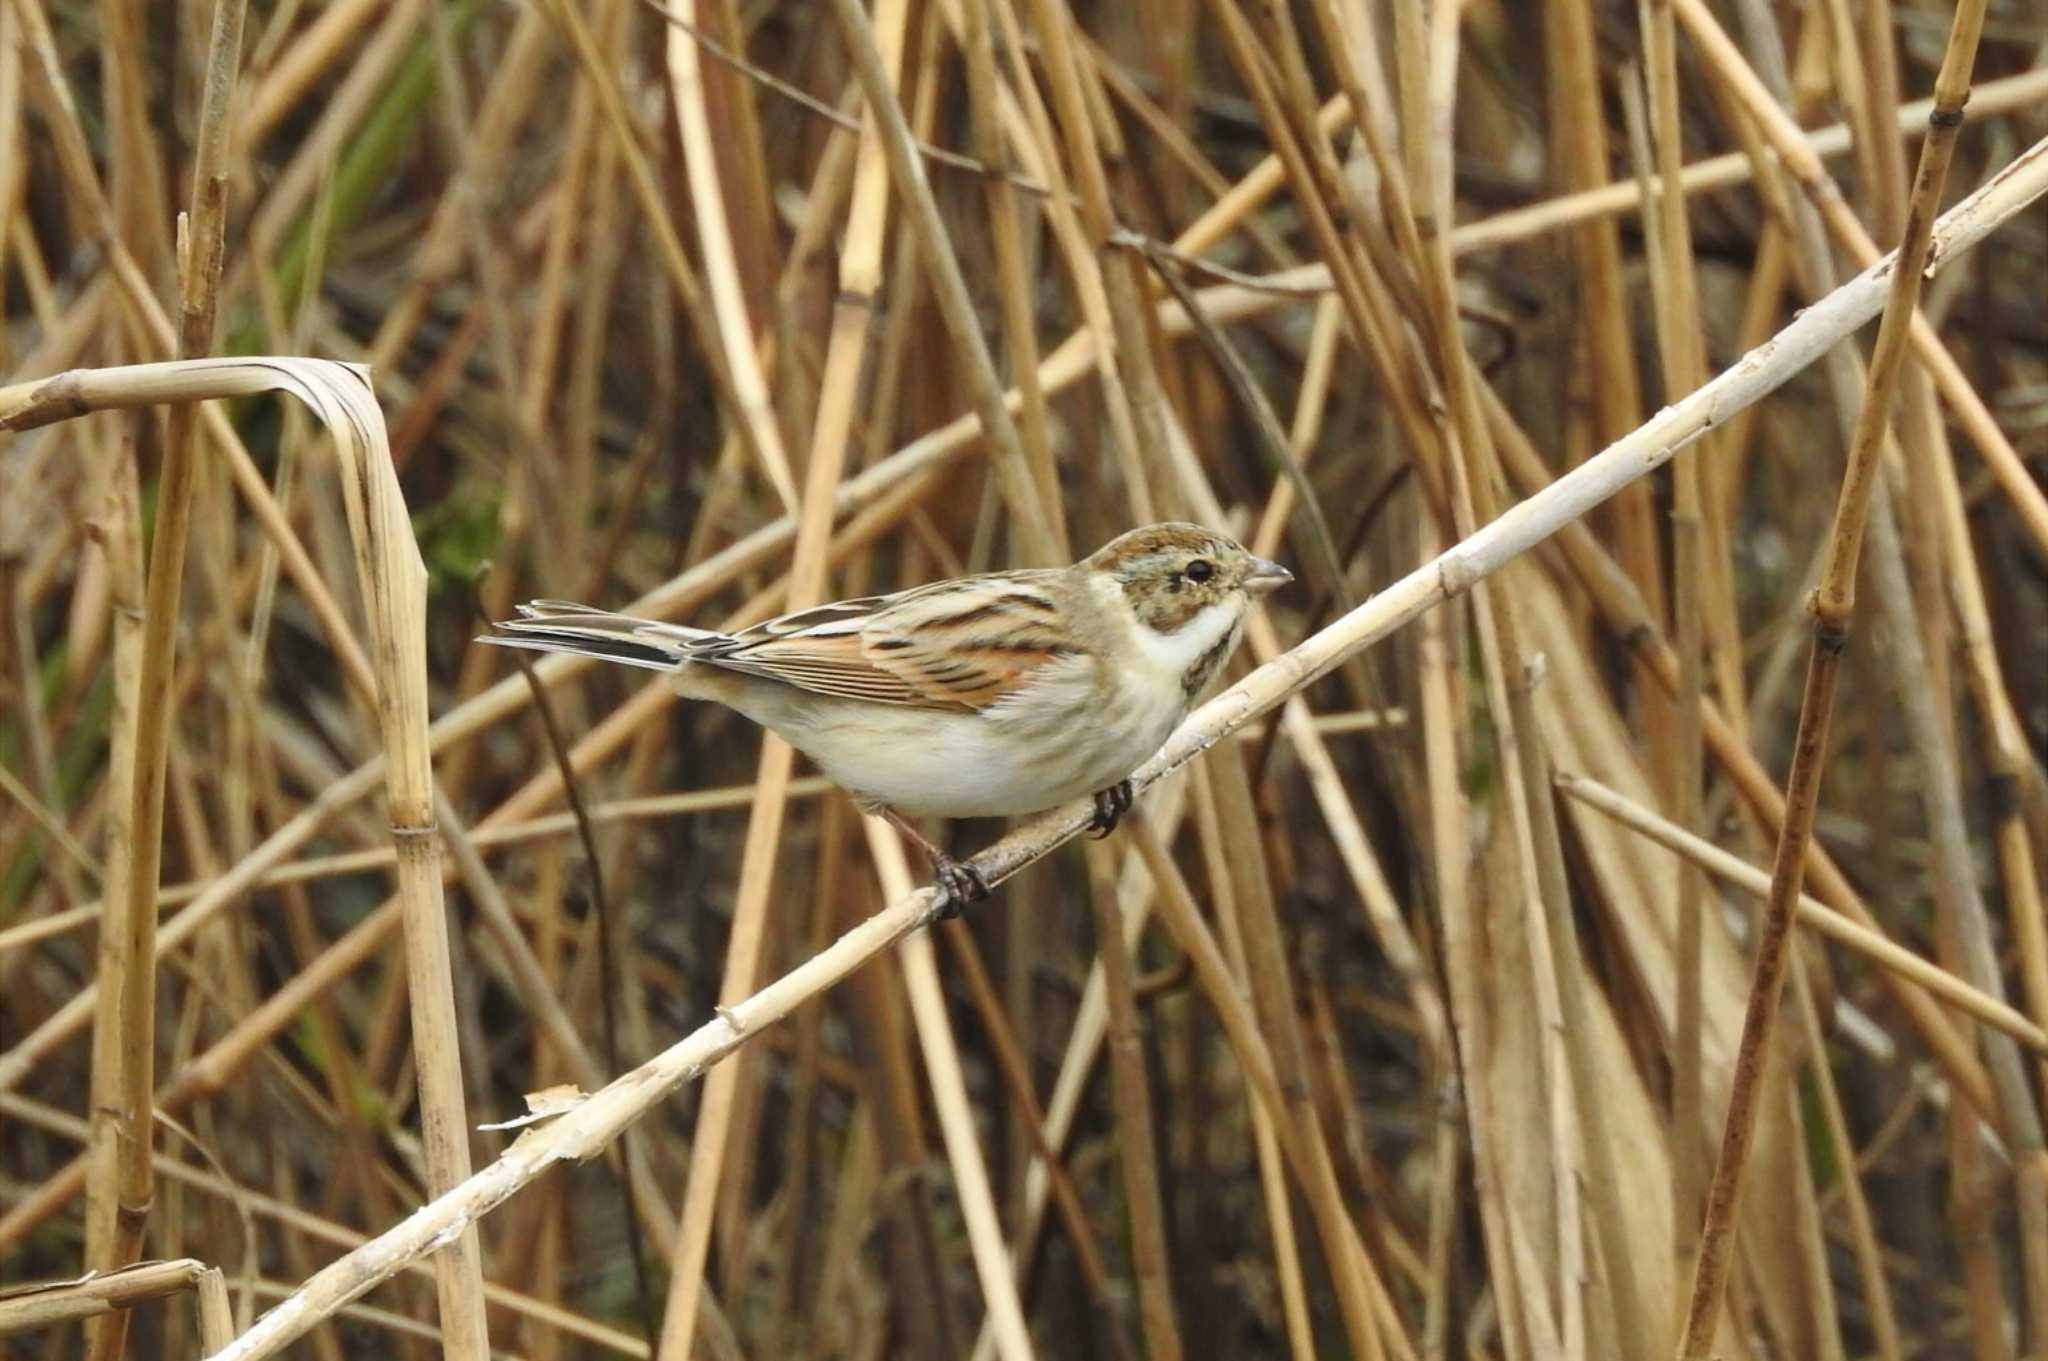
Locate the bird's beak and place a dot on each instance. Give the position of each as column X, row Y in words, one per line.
column 1266, row 576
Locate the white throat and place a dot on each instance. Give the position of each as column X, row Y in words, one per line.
column 1175, row 652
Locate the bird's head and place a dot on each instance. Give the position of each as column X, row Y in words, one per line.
column 1171, row 573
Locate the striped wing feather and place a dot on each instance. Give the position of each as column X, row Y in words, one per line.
column 955, row 645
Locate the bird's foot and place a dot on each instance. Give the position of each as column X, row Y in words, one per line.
column 1110, row 806
column 959, row 885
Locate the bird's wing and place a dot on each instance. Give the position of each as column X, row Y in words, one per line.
column 957, row 645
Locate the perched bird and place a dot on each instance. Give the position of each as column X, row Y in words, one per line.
column 984, row 696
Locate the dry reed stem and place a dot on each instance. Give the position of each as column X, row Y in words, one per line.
column 949, row 285
column 721, row 270
column 1449, row 831
column 1625, row 616
column 128, row 1081
column 1017, row 1083
column 1229, row 988
column 1012, row 269
column 1268, row 1113
column 1130, row 380
column 956, row 1118
column 1682, row 352
column 1833, row 607
column 1812, row 913
column 682, row 275
column 1561, row 1094
column 1083, row 1046
column 860, row 273
column 1136, row 1132
column 393, row 581
column 1930, row 512
column 1578, row 134
column 1877, row 1295
column 121, row 540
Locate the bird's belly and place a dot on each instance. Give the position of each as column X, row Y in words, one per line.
column 996, row 763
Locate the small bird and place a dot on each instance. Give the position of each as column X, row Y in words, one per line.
column 984, row 696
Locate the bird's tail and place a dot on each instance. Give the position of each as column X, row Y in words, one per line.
column 562, row 626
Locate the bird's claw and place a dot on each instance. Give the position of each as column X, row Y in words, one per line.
column 1110, row 806
column 959, row 885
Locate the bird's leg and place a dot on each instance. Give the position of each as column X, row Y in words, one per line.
column 1110, row 806
column 959, row 884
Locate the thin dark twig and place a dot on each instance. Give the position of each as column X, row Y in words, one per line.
column 1319, row 606
column 844, row 121
column 608, row 989
column 1272, row 439
column 1335, row 588
column 1153, row 248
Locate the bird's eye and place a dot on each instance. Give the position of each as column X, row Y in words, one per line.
column 1201, row 569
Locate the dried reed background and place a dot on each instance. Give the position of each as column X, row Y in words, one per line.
column 1426, row 997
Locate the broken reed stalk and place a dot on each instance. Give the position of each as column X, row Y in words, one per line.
column 392, row 580
column 103, row 1295
column 1833, row 608
column 394, row 589
column 588, row 1127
